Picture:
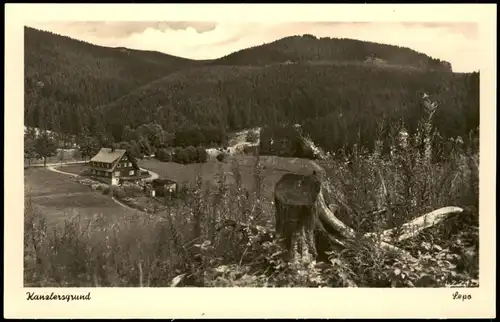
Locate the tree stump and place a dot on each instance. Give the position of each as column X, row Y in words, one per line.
column 309, row 229
column 296, row 214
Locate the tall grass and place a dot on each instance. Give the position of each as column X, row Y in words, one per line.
column 224, row 236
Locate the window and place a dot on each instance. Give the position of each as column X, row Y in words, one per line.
column 131, row 173
column 130, row 164
column 117, row 173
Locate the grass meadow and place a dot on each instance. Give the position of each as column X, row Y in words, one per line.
column 235, row 168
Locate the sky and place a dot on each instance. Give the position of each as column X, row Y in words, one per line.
column 456, row 43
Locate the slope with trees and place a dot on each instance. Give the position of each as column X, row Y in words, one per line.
column 66, row 79
column 336, row 105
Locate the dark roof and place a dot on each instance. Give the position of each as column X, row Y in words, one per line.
column 107, row 155
column 162, row 182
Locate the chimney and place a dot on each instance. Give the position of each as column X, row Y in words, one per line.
column 112, row 148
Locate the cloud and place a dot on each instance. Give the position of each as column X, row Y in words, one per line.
column 456, row 43
column 123, row 29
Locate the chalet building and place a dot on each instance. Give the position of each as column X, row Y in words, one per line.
column 114, row 165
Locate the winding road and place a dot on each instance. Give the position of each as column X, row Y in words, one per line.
column 51, row 167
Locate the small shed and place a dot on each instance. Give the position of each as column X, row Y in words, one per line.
column 160, row 186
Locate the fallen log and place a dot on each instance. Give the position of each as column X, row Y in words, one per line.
column 417, row 225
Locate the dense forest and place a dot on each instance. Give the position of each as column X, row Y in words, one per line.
column 336, row 105
column 328, row 86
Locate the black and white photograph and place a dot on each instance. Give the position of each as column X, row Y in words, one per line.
column 224, row 154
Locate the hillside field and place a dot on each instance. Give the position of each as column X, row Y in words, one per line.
column 57, row 196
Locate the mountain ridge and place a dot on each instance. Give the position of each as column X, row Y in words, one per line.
column 444, row 65
column 308, row 47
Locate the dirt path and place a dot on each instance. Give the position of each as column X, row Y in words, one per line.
column 153, row 176
column 51, row 168
column 118, row 202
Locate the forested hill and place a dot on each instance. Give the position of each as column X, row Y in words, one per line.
column 308, row 48
column 65, row 79
column 336, row 104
